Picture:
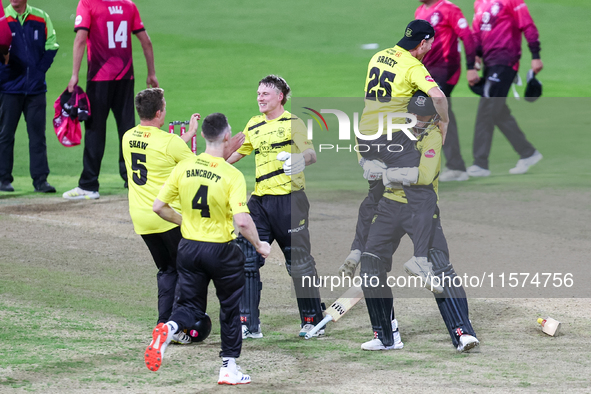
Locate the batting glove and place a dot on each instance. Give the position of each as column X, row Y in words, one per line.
column 293, row 163
column 373, row 170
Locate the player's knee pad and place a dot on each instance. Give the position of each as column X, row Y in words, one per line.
column 251, row 295
column 302, row 268
column 452, row 303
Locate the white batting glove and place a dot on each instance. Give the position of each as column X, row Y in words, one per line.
column 282, row 156
column 373, row 170
column 293, row 163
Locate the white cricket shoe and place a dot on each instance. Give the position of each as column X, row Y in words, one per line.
column 154, row 353
column 246, row 333
column 229, row 375
column 474, row 170
column 181, row 338
column 524, row 164
column 80, row 194
column 376, row 344
column 467, row 342
column 307, row 328
column 448, row 175
column 422, row 268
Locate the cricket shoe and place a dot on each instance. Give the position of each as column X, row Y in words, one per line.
column 155, row 351
column 246, row 333
column 475, row 170
column 181, row 338
column 448, row 175
column 524, row 164
column 229, row 375
column 376, row 344
column 467, row 342
column 396, row 334
column 422, row 268
column 309, row 327
column 6, row 187
column 80, row 194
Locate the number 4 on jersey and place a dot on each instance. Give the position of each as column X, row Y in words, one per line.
column 119, row 36
column 200, row 201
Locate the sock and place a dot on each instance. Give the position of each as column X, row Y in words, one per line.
column 172, row 327
column 229, row 362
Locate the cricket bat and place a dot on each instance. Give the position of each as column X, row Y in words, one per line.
column 338, row 308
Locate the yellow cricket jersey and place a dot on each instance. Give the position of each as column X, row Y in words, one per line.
column 393, row 76
column 267, row 138
column 430, row 147
column 211, row 192
column 150, row 155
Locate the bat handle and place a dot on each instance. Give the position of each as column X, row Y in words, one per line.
column 319, row 326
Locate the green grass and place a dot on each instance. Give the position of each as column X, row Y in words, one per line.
column 210, row 56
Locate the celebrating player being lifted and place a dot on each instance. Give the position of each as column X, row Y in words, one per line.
column 211, row 193
column 393, row 219
column 278, row 205
column 393, row 76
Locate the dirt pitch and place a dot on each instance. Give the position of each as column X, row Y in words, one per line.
column 92, row 242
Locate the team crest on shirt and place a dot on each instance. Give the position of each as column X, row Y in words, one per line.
column 430, row 153
column 281, row 132
column 435, row 18
column 264, row 149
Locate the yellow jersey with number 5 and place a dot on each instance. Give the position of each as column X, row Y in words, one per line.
column 150, row 155
column 393, row 76
column 211, row 192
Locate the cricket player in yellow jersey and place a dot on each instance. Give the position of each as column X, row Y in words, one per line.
column 393, row 219
column 393, row 76
column 150, row 155
column 279, row 206
column 212, row 194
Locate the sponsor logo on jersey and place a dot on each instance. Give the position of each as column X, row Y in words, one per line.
column 429, row 78
column 78, row 20
column 116, row 9
column 146, row 135
column 462, row 23
column 213, row 165
column 430, row 153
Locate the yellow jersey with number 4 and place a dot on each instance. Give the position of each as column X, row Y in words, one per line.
column 150, row 155
column 211, row 192
column 267, row 138
column 393, row 76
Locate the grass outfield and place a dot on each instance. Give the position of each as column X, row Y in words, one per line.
column 209, row 58
column 77, row 288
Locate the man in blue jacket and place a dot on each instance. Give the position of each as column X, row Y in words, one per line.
column 23, row 89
